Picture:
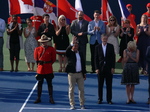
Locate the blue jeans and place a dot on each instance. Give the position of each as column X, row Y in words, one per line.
column 1, row 52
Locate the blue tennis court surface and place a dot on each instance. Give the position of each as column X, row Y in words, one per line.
column 18, row 92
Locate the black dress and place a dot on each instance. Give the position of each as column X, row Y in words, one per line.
column 125, row 39
column 61, row 41
column 130, row 73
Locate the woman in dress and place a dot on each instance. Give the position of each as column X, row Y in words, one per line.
column 130, row 75
column 113, row 30
column 30, row 44
column 143, row 33
column 14, row 42
column 126, row 35
column 62, row 41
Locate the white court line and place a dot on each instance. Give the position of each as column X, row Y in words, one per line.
column 104, row 110
column 28, row 97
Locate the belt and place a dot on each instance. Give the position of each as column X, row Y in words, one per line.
column 78, row 72
column 44, row 62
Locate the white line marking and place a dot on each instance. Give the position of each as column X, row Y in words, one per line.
column 28, row 97
column 104, row 110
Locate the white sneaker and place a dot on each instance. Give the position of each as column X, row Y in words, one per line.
column 82, row 107
column 72, row 107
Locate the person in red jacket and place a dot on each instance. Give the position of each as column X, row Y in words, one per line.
column 36, row 22
column 148, row 12
column 45, row 56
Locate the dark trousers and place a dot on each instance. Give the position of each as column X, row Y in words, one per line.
column 48, row 78
column 105, row 75
column 92, row 49
column 148, row 70
column 82, row 48
column 14, row 51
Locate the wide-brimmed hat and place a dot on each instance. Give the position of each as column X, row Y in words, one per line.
column 44, row 38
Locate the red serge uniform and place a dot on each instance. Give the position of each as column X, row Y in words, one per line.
column 48, row 55
column 10, row 19
column 148, row 14
column 36, row 22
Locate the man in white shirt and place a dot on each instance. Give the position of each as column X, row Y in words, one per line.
column 76, row 74
column 2, row 30
column 104, row 65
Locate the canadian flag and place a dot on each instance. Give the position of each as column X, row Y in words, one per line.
column 65, row 8
column 106, row 10
column 20, row 6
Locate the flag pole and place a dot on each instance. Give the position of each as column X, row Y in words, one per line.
column 57, row 7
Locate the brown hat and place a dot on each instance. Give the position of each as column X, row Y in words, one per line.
column 44, row 38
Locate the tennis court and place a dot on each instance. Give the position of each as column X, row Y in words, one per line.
column 18, row 92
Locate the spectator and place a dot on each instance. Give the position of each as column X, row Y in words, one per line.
column 62, row 41
column 126, row 35
column 14, row 42
column 46, row 28
column 36, row 22
column 148, row 71
column 95, row 29
column 130, row 76
column 76, row 73
column 129, row 8
column 132, row 18
column 113, row 30
column 105, row 67
column 2, row 30
column 45, row 56
column 143, row 33
column 79, row 29
column 30, row 44
column 148, row 12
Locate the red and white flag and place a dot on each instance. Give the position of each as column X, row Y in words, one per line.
column 20, row 6
column 36, row 7
column 65, row 8
column 78, row 5
column 105, row 10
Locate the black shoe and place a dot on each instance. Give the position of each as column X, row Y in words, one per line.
column 99, row 102
column 110, row 102
column 132, row 102
column 92, row 72
column 51, row 101
column 128, row 102
column 37, row 101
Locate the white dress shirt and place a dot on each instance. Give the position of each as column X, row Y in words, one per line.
column 104, row 49
column 78, row 62
column 2, row 27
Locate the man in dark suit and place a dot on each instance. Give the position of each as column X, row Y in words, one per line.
column 148, row 71
column 76, row 74
column 79, row 29
column 105, row 65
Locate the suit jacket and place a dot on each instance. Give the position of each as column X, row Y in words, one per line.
column 96, row 34
column 148, row 58
column 75, row 29
column 109, row 58
column 71, row 66
column 50, row 33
